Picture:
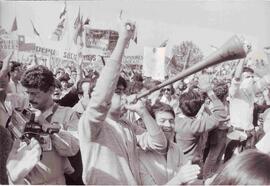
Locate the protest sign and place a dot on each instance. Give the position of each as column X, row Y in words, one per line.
column 46, row 51
column 154, row 63
column 133, row 60
column 8, row 43
column 99, row 42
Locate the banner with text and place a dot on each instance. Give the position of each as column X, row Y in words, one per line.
column 99, row 42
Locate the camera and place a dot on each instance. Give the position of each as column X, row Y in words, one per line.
column 23, row 127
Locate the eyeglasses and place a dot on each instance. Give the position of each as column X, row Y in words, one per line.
column 166, row 89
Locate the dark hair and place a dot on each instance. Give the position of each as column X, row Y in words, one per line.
column 64, row 77
column 161, row 107
column 138, row 77
column 92, row 83
column 58, row 70
column 247, row 168
column 122, row 81
column 14, row 65
column 39, row 77
column 248, row 69
column 221, row 90
column 184, row 86
column 190, row 102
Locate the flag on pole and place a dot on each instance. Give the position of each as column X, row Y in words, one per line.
column 58, row 33
column 14, row 25
column 78, row 32
column 164, row 44
column 77, row 20
column 81, row 27
column 34, row 29
column 64, row 11
column 135, row 36
column 81, row 31
column 87, row 21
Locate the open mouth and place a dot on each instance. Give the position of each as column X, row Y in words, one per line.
column 167, row 129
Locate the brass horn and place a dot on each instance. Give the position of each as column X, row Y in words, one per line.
column 231, row 50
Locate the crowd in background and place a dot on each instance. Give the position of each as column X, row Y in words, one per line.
column 199, row 130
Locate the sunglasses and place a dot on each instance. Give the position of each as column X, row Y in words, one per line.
column 166, row 89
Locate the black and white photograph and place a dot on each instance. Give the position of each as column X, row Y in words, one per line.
column 135, row 92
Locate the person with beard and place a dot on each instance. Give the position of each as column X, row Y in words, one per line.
column 242, row 91
column 170, row 167
column 40, row 84
column 108, row 143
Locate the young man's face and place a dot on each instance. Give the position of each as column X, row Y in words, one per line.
column 73, row 75
column 17, row 73
column 259, row 98
column 118, row 100
column 166, row 121
column 247, row 75
column 247, row 80
column 38, row 98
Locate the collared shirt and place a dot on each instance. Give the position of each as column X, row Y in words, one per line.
column 241, row 106
column 55, row 161
column 156, row 169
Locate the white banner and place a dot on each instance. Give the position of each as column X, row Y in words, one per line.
column 8, row 43
column 154, row 63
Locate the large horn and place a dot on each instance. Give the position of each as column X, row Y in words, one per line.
column 232, row 49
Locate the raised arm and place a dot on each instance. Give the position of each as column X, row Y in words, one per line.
column 153, row 138
column 208, row 122
column 97, row 109
column 236, row 80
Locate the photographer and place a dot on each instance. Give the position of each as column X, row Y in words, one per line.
column 40, row 84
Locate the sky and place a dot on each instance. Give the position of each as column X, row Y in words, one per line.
column 205, row 23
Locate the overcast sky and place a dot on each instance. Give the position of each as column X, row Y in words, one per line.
column 204, row 22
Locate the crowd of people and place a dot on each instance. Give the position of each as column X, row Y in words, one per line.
column 95, row 131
